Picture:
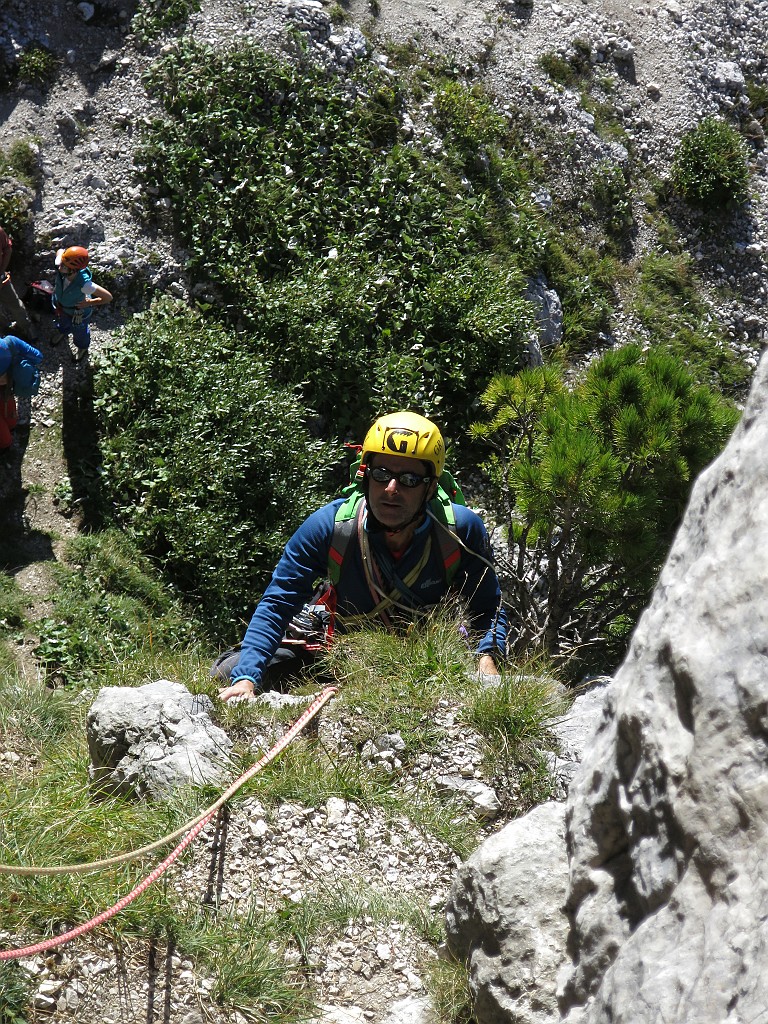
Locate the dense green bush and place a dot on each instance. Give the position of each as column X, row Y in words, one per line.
column 710, row 167
column 207, row 461
column 329, row 235
column 592, row 482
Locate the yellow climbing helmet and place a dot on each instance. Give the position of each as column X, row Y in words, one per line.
column 408, row 435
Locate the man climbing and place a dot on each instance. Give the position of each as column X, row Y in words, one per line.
column 396, row 546
column 14, row 352
column 75, row 294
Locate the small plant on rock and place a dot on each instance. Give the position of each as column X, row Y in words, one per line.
column 710, row 168
column 38, row 66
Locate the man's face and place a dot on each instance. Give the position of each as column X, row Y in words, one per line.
column 393, row 504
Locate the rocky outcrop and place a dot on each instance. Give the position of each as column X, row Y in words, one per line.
column 149, row 740
column 666, row 834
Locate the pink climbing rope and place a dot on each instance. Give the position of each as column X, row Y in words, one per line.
column 105, row 915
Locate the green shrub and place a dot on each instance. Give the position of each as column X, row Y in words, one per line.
column 207, row 461
column 327, row 235
column 592, row 483
column 710, row 167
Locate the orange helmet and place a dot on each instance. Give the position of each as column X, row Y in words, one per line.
column 75, row 257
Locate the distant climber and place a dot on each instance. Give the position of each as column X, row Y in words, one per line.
column 75, row 295
column 13, row 314
column 17, row 358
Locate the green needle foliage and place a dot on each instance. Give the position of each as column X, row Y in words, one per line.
column 593, row 482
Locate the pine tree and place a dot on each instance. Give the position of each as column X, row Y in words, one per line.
column 592, row 481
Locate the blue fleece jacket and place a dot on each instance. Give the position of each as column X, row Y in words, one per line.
column 305, row 561
column 13, row 349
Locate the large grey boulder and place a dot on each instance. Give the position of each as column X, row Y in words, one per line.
column 149, row 740
column 506, row 917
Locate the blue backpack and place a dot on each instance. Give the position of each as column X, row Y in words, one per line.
column 25, row 379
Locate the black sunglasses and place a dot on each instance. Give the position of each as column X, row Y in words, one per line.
column 406, row 479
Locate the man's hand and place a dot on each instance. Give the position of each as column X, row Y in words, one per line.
column 487, row 673
column 487, row 666
column 242, row 688
column 5, row 277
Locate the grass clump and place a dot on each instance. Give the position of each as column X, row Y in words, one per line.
column 710, row 168
column 448, row 986
column 22, row 161
column 110, row 606
column 515, row 718
column 668, row 301
column 16, row 987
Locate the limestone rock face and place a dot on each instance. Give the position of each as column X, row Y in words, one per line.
column 667, row 819
column 148, row 740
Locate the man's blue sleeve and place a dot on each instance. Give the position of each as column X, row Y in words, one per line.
column 304, row 561
column 25, row 351
column 478, row 584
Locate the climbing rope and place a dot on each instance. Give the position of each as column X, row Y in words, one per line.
column 198, row 824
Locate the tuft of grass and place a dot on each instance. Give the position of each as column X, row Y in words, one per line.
column 515, row 719
column 110, row 609
column 153, row 17
column 447, row 981
column 395, row 683
column 244, row 950
column 668, row 300
column 32, row 715
column 13, row 605
column 711, row 167
column 22, row 161
column 15, row 993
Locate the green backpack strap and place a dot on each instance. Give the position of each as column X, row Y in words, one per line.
column 344, row 529
column 447, row 537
